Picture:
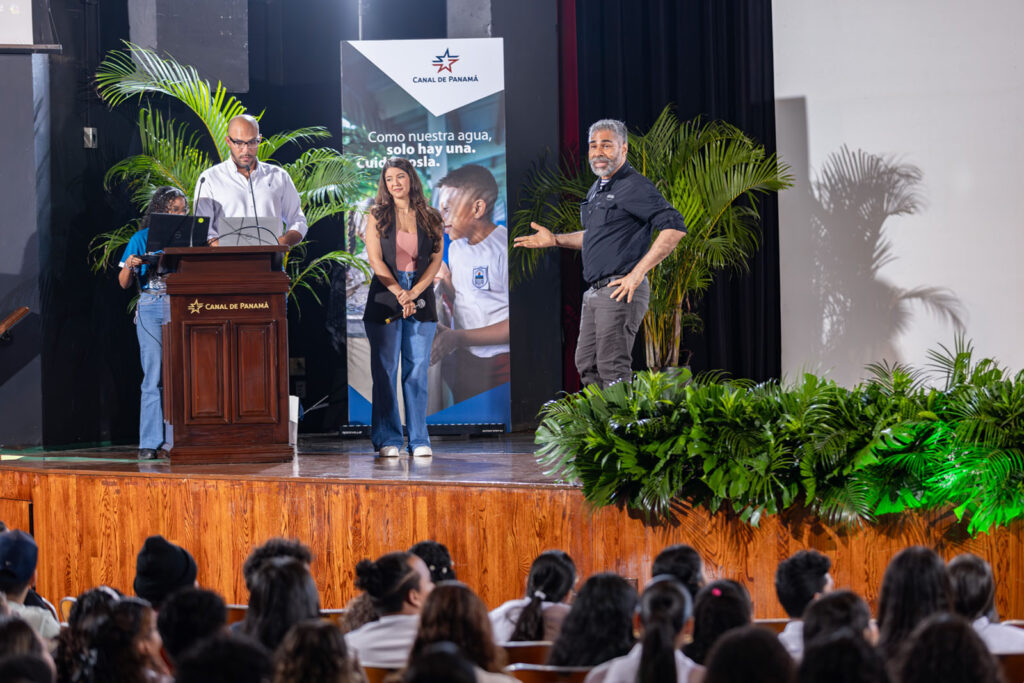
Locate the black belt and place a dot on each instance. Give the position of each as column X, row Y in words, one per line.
column 603, row 282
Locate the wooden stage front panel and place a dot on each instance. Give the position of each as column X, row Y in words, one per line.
column 90, row 523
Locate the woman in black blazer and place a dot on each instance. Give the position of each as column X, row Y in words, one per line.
column 404, row 239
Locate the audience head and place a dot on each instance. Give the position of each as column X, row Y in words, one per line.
column 162, row 568
column 720, row 606
column 398, row 583
column 842, row 656
column 551, row 577
column 18, row 556
column 126, row 643
column 283, row 594
column 749, row 655
column 74, row 641
column 944, row 648
column 225, row 658
column 455, row 614
column 275, row 547
column 802, row 578
column 437, row 559
column 599, row 626
column 974, row 587
column 665, row 610
column 836, row 611
column 914, row 587
column 314, row 650
column 682, row 562
column 188, row 616
column 25, row 668
column 18, row 638
column 439, row 663
column 358, row 612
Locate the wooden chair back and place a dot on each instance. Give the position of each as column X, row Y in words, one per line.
column 1013, row 667
column 541, row 673
column 774, row 625
column 236, row 613
column 376, row 674
column 528, row 651
column 333, row 615
column 64, row 607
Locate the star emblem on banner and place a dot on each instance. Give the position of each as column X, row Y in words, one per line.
column 195, row 307
column 444, row 62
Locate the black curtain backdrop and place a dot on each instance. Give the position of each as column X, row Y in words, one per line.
column 708, row 58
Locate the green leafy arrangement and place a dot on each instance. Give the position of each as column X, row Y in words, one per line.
column 948, row 436
column 172, row 154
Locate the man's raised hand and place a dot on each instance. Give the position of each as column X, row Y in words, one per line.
column 540, row 239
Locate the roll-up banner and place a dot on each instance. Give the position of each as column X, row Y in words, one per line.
column 441, row 105
column 16, row 22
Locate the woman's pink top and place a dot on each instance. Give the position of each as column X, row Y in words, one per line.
column 406, row 251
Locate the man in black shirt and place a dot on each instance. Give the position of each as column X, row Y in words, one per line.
column 621, row 212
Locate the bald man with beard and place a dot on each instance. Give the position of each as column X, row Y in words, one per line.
column 243, row 186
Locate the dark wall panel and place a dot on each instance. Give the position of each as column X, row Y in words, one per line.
column 90, row 366
column 20, row 369
column 211, row 35
column 531, row 101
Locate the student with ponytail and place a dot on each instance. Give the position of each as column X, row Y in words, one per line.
column 539, row 615
column 719, row 607
column 398, row 584
column 665, row 617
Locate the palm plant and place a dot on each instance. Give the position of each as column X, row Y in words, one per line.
column 714, row 175
column 172, row 154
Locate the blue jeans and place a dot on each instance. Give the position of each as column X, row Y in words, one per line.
column 413, row 339
column 152, row 312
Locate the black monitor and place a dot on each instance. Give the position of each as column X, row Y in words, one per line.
column 176, row 230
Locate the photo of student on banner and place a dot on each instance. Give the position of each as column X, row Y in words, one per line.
column 473, row 352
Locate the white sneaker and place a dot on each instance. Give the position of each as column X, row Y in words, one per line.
column 422, row 452
column 388, row 451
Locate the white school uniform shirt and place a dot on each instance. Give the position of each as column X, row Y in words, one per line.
column 40, row 619
column 384, row 643
column 504, row 618
column 226, row 194
column 1000, row 638
column 792, row 638
column 480, row 279
column 624, row 669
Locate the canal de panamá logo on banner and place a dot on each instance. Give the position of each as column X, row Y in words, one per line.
column 441, row 75
column 444, row 62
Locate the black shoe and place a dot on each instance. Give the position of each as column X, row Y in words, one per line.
column 148, row 454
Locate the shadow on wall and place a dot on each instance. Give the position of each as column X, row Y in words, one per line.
column 854, row 195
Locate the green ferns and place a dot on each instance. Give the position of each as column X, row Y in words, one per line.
column 902, row 440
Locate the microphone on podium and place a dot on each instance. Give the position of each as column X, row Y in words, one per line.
column 420, row 305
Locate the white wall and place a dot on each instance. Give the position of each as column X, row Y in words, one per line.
column 932, row 86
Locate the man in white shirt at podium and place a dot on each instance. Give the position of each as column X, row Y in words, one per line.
column 243, row 194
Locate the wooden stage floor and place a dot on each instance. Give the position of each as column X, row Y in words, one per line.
column 505, row 460
column 486, row 498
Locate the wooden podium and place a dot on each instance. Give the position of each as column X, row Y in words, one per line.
column 225, row 355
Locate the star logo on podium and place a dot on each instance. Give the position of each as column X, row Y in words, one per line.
column 195, row 307
column 444, row 62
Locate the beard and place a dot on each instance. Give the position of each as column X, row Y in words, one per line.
column 612, row 164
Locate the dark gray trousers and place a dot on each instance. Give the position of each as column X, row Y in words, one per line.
column 604, row 352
